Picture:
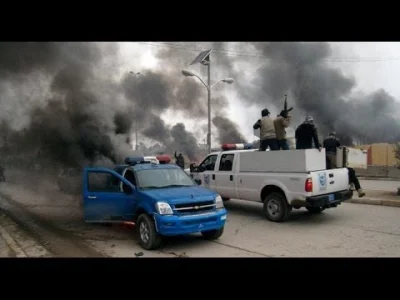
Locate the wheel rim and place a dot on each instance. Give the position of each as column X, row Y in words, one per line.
column 144, row 232
column 273, row 207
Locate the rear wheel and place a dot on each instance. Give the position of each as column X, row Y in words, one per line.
column 315, row 210
column 149, row 238
column 276, row 207
column 213, row 234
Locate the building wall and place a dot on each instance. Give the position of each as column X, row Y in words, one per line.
column 381, row 154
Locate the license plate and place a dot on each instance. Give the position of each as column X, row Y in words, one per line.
column 331, row 197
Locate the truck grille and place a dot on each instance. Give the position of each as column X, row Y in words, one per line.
column 199, row 207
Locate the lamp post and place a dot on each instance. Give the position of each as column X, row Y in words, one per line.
column 208, row 87
column 136, row 121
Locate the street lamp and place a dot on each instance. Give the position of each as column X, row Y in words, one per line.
column 204, row 59
column 136, row 121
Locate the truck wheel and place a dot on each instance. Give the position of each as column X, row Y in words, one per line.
column 315, row 210
column 149, row 239
column 276, row 207
column 213, row 234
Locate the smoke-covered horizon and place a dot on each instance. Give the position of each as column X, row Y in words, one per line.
column 63, row 101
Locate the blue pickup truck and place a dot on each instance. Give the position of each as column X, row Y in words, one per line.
column 161, row 199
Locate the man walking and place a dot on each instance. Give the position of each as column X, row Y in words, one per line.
column 280, row 124
column 267, row 131
column 180, row 161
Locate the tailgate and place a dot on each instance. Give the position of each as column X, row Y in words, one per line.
column 330, row 181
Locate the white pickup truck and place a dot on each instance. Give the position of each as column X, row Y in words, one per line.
column 281, row 180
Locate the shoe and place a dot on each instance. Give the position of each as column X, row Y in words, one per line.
column 360, row 193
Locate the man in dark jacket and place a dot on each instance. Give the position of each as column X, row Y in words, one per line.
column 331, row 144
column 305, row 134
column 180, row 161
column 267, row 131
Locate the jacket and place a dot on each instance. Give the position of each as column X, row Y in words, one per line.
column 305, row 134
column 280, row 123
column 331, row 145
column 267, row 128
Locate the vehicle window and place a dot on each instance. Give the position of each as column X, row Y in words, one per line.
column 161, row 178
column 130, row 176
column 208, row 163
column 102, row 182
column 226, row 162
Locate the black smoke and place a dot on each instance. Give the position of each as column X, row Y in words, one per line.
column 227, row 131
column 301, row 71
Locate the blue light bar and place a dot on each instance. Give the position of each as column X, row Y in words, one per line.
column 132, row 160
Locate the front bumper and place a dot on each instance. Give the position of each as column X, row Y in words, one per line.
column 329, row 200
column 177, row 225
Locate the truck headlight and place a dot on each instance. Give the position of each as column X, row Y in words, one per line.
column 164, row 208
column 218, row 202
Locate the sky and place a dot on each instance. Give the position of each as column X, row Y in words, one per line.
column 374, row 65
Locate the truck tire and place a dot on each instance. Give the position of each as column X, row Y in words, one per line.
column 315, row 210
column 276, row 207
column 149, row 238
column 213, row 234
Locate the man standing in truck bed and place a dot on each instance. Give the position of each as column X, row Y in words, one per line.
column 267, row 131
column 306, row 133
column 280, row 124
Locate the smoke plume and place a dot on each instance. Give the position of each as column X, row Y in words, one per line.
column 300, row 70
column 227, row 131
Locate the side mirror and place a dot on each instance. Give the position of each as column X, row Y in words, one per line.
column 198, row 181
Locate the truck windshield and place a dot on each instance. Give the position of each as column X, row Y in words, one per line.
column 163, row 178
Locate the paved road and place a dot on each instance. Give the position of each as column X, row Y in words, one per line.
column 380, row 185
column 5, row 251
column 351, row 230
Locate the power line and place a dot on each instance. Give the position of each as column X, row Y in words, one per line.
column 257, row 55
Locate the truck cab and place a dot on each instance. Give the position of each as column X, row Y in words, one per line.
column 161, row 199
column 281, row 180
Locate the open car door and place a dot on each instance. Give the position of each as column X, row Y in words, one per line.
column 103, row 199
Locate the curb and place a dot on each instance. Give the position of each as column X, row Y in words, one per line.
column 378, row 178
column 19, row 241
column 12, row 243
column 371, row 201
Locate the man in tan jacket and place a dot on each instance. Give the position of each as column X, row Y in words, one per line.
column 280, row 124
column 267, row 131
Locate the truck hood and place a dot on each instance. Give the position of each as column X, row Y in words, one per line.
column 176, row 195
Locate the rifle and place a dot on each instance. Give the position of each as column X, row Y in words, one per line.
column 285, row 106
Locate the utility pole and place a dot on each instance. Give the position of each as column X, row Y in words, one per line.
column 209, row 105
column 136, row 117
column 204, row 59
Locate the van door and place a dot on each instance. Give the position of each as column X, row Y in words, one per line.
column 103, row 200
column 224, row 178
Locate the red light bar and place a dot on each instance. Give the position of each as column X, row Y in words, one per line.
column 164, row 159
